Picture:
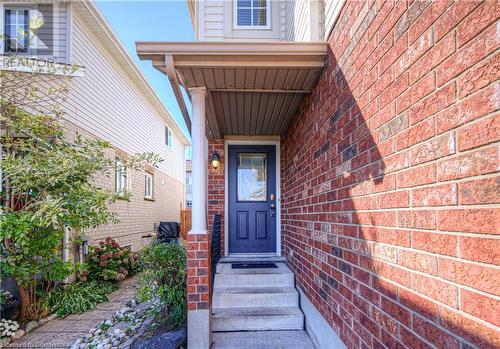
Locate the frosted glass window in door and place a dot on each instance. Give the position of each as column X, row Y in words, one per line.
column 252, row 177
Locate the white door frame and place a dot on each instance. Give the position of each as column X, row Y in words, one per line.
column 256, row 141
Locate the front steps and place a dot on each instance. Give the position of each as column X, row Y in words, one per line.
column 263, row 302
column 262, row 340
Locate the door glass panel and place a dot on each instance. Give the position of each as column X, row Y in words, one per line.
column 252, row 177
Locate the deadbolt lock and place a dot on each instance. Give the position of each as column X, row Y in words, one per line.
column 273, row 197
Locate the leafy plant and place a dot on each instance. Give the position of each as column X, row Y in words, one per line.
column 164, row 277
column 47, row 184
column 103, row 326
column 109, row 261
column 79, row 297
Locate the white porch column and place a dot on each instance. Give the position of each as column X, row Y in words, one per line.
column 199, row 165
column 198, row 282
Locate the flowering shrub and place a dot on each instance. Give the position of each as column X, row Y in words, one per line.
column 109, row 261
column 6, row 298
column 8, row 328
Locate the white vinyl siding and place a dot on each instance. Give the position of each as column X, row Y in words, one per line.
column 211, row 25
column 297, row 17
column 108, row 104
column 331, row 12
column 216, row 21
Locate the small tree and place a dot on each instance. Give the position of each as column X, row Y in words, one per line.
column 47, row 184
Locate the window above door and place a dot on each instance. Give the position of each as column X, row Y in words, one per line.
column 252, row 14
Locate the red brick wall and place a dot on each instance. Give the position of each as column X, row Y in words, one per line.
column 216, row 186
column 390, row 189
column 198, row 271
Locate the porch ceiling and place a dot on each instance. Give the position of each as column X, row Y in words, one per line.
column 252, row 88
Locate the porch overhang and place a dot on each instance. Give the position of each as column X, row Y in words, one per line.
column 253, row 88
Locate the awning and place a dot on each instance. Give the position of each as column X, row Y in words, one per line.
column 252, row 88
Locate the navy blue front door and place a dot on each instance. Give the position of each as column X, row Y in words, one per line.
column 252, row 198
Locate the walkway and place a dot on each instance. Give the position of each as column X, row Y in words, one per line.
column 62, row 333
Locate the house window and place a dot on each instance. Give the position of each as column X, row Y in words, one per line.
column 168, row 137
column 16, row 28
column 252, row 14
column 148, row 186
column 120, row 177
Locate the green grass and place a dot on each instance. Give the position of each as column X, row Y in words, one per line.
column 79, row 297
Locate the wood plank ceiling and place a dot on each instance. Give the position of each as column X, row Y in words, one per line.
column 252, row 88
column 251, row 101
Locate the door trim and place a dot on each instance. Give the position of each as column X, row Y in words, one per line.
column 257, row 141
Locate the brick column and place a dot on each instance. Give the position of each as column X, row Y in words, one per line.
column 216, row 186
column 198, row 271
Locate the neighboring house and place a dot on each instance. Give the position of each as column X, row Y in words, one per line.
column 112, row 101
column 359, row 143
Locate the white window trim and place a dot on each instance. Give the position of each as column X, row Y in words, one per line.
column 120, row 181
column 169, row 135
column 256, row 27
column 146, row 176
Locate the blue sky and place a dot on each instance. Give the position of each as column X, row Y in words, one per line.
column 166, row 20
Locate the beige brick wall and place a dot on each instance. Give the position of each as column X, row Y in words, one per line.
column 138, row 215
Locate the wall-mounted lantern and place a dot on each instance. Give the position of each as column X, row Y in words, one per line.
column 215, row 160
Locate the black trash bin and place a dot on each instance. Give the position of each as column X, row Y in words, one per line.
column 168, row 232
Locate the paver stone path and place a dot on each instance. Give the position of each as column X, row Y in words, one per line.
column 62, row 333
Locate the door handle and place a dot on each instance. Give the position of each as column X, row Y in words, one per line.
column 273, row 206
column 273, row 197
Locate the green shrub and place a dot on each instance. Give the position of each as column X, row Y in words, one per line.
column 79, row 297
column 164, row 277
column 108, row 261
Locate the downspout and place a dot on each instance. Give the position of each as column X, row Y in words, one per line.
column 65, row 250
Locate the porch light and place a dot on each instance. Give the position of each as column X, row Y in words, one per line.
column 215, row 160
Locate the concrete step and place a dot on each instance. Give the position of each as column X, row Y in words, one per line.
column 240, row 297
column 262, row 340
column 257, row 319
column 275, row 277
column 250, row 259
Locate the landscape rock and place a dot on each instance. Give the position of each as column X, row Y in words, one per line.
column 120, row 326
column 18, row 334
column 169, row 340
column 30, row 326
column 4, row 342
column 141, row 308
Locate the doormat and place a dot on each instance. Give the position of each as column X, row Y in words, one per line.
column 253, row 265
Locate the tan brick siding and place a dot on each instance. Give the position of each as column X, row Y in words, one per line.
column 137, row 216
